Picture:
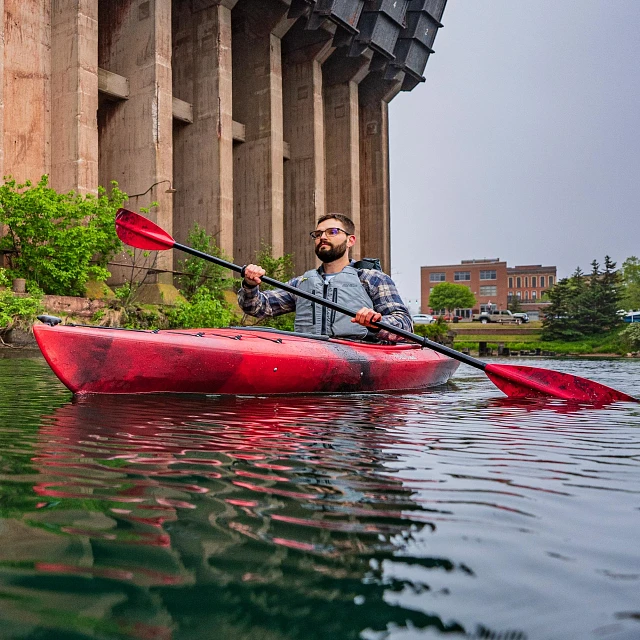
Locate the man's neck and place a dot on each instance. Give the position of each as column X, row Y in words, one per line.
column 337, row 265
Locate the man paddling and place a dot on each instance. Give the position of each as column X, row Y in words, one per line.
column 368, row 292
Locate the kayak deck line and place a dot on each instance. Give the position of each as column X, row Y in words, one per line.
column 206, row 333
column 232, row 361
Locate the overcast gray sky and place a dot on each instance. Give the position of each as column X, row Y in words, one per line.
column 524, row 142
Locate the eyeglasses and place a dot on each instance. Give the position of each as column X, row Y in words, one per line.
column 330, row 232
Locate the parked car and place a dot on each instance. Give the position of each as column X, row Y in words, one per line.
column 523, row 317
column 423, row 318
column 632, row 316
column 502, row 316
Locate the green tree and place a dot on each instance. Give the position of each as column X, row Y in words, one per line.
column 631, row 336
column 58, row 240
column 610, row 293
column 449, row 296
column 201, row 311
column 197, row 272
column 583, row 306
column 279, row 269
column 630, row 284
column 561, row 321
column 17, row 310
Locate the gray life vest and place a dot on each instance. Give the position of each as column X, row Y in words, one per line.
column 344, row 289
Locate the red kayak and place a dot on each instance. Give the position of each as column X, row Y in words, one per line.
column 232, row 361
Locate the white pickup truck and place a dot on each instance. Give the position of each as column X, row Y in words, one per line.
column 502, row 316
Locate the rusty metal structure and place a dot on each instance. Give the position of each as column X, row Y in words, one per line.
column 250, row 117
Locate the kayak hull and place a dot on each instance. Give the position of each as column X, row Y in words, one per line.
column 232, row 361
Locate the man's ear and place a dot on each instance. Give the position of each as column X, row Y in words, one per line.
column 351, row 240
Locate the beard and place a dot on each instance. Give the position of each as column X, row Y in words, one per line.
column 328, row 253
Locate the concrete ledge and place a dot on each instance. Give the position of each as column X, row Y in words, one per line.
column 238, row 132
column 113, row 85
column 182, row 111
column 69, row 305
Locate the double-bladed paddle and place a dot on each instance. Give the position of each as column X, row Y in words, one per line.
column 515, row 381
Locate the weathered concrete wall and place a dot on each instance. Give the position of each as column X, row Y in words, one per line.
column 136, row 135
column 304, row 170
column 259, row 116
column 74, row 82
column 203, row 150
column 27, row 88
column 258, row 173
column 2, row 54
column 342, row 139
column 375, row 204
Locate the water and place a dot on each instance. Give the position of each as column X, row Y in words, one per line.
column 454, row 513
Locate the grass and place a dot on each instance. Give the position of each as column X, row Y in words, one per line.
column 605, row 344
column 534, row 337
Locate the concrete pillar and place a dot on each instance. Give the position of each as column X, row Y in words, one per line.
column 27, row 89
column 203, row 150
column 375, row 207
column 304, row 170
column 136, row 134
column 258, row 178
column 2, row 50
column 74, row 79
column 342, row 136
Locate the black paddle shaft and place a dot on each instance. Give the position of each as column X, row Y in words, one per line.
column 421, row 340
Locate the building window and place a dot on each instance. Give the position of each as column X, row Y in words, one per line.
column 526, row 281
column 519, row 295
column 437, row 277
column 510, row 282
column 461, row 275
column 488, row 275
column 534, row 295
column 489, row 290
column 510, row 296
column 518, row 281
column 551, row 281
column 534, row 281
column 542, row 281
column 526, row 295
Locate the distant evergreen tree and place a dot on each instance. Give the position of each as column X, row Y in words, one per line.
column 583, row 306
column 610, row 300
column 562, row 321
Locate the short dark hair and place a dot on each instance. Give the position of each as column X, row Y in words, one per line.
column 349, row 227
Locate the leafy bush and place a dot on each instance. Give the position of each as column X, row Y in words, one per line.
column 17, row 310
column 197, row 272
column 58, row 241
column 203, row 310
column 279, row 269
column 631, row 337
column 435, row 331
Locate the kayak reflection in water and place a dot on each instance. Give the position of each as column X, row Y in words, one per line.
column 255, row 517
column 366, row 291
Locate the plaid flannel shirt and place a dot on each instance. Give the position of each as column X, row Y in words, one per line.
column 379, row 287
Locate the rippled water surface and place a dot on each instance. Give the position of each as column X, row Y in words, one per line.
column 452, row 513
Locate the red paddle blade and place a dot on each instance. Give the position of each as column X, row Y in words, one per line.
column 531, row 382
column 139, row 232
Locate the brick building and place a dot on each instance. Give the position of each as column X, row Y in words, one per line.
column 492, row 282
column 250, row 117
column 528, row 282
